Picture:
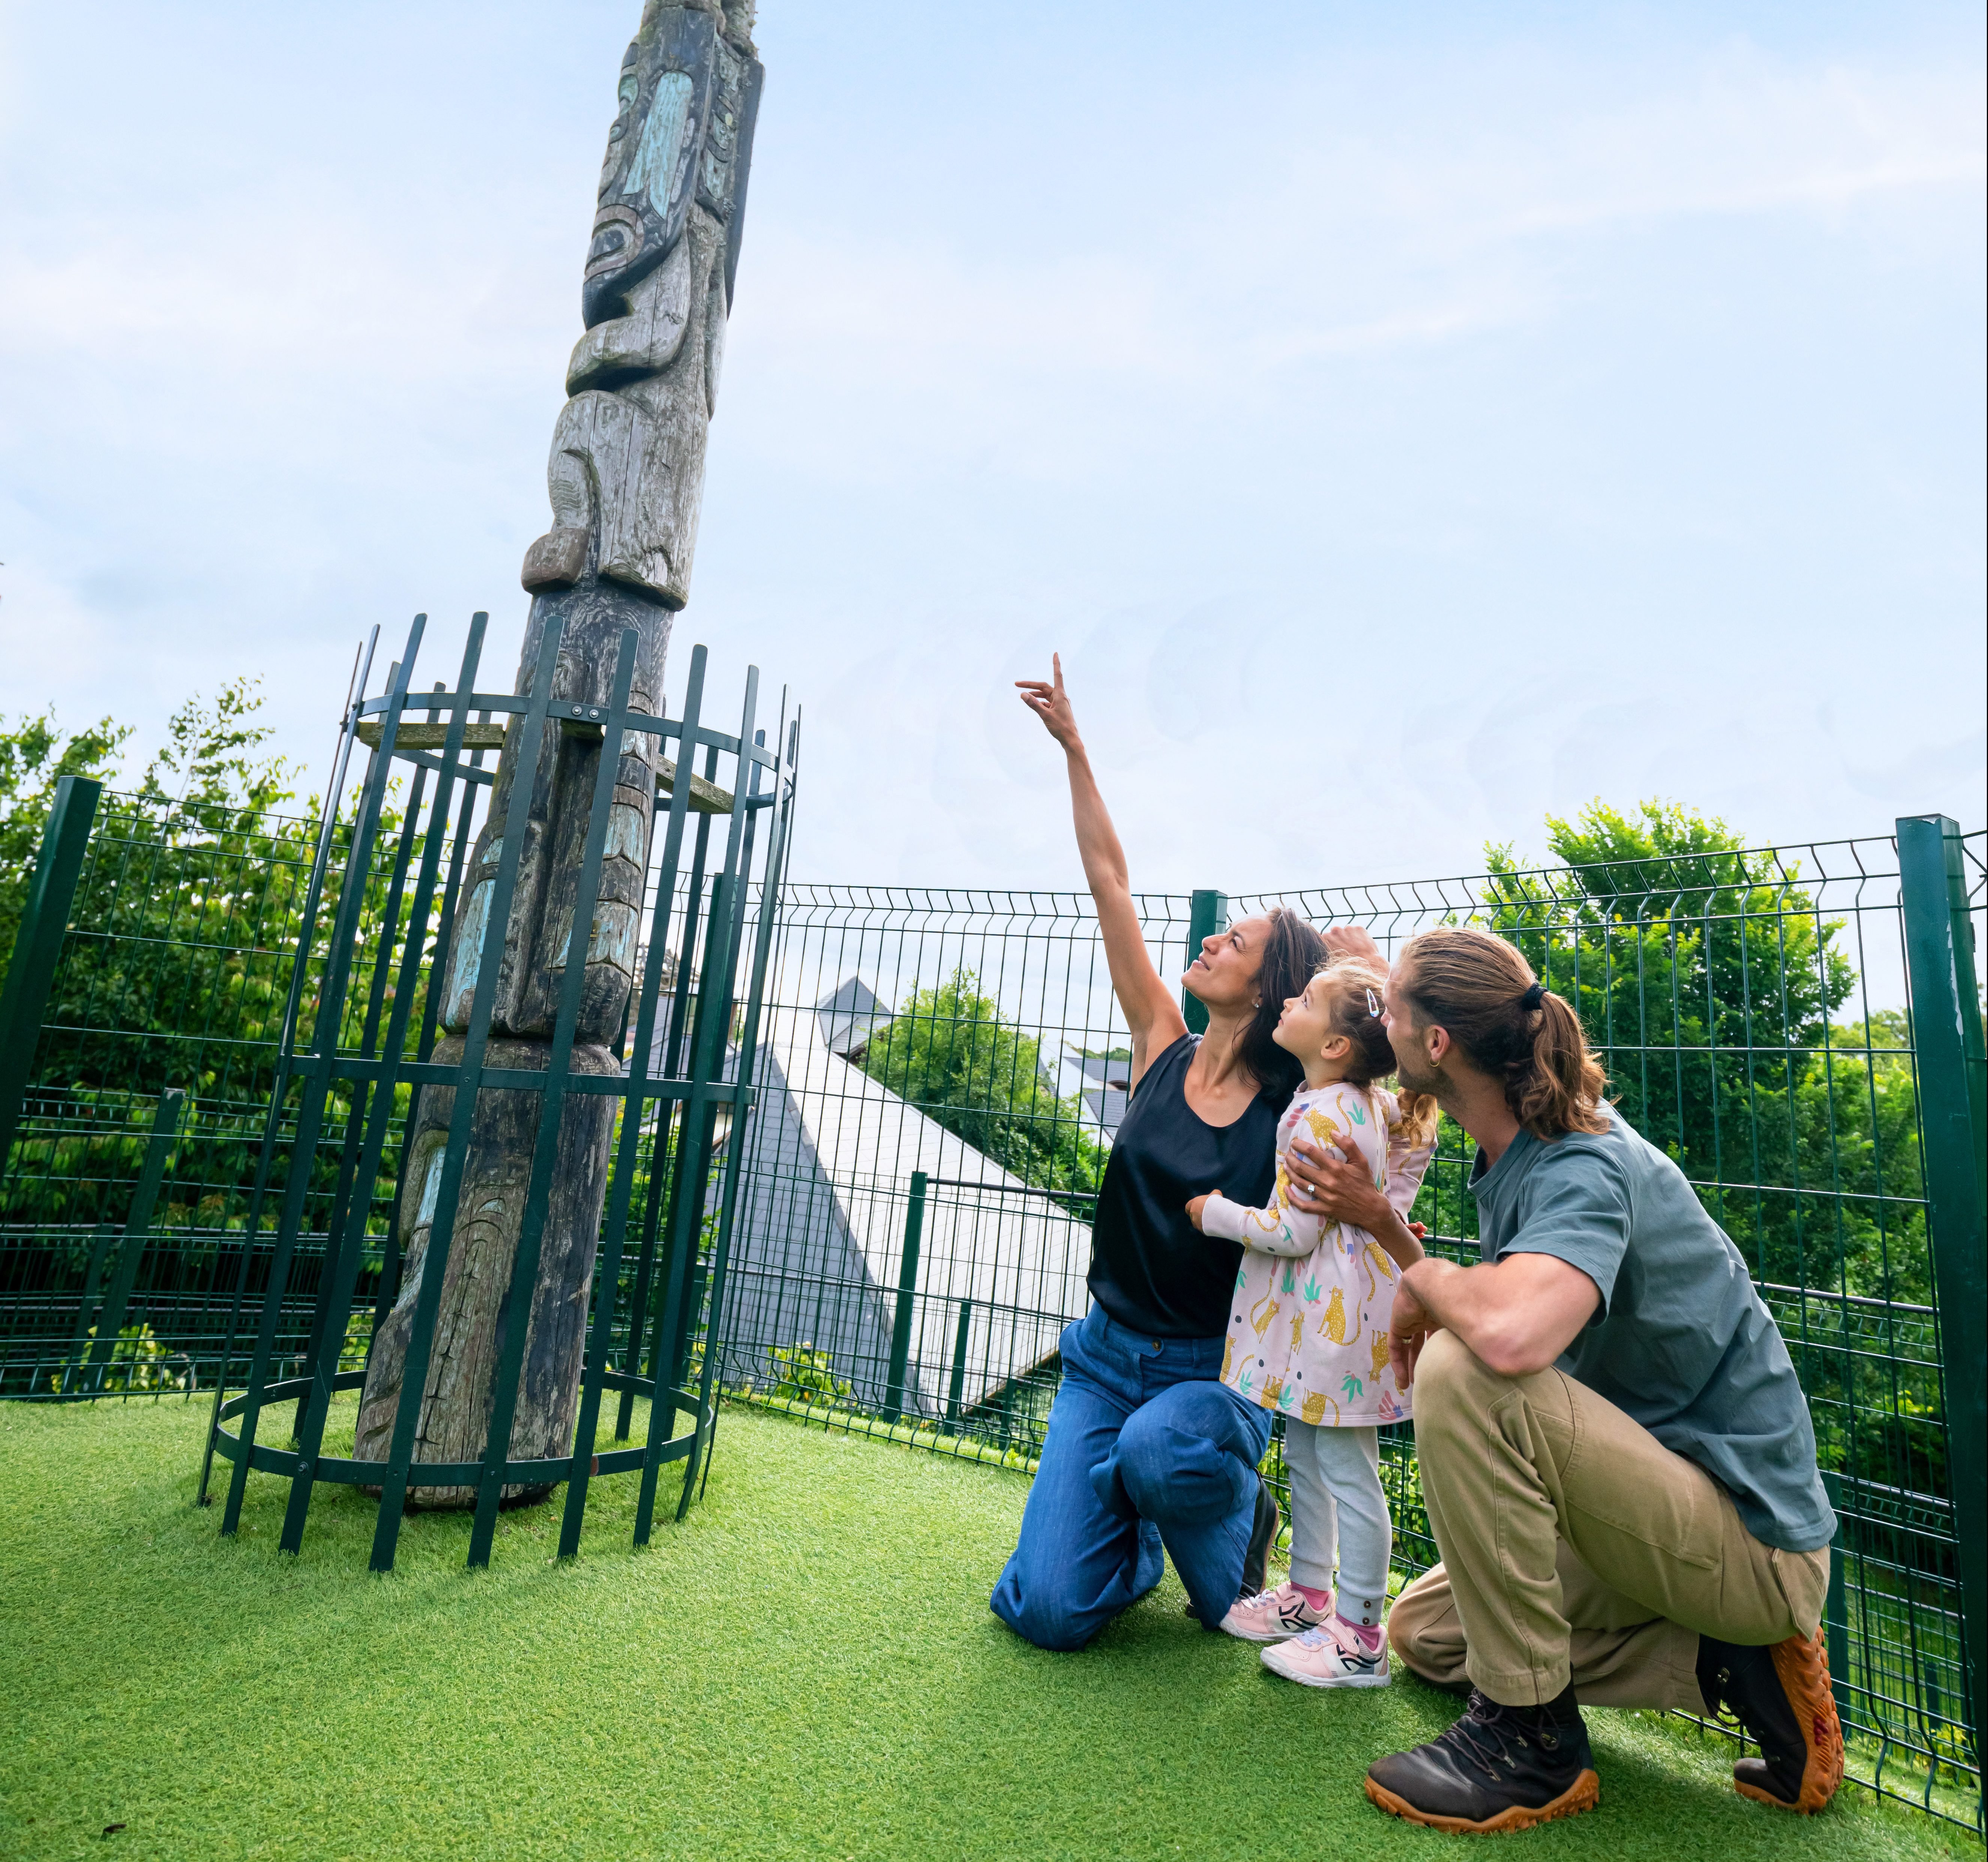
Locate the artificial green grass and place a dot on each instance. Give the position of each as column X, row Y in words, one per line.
column 806, row 1669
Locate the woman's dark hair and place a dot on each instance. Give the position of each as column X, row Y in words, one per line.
column 1479, row 989
column 1292, row 953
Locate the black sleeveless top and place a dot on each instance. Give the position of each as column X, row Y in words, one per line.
column 1150, row 1269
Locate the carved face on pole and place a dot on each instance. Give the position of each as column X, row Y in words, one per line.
column 650, row 174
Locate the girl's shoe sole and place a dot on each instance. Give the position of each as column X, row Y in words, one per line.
column 1334, row 1681
column 1278, row 1635
column 1583, row 1794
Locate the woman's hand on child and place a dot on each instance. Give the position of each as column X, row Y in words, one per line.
column 1051, row 703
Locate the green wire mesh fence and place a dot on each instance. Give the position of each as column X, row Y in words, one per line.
column 943, row 1072
column 939, row 1075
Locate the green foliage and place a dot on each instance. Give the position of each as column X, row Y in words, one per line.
column 35, row 755
column 138, row 1363
column 1707, row 978
column 176, row 971
column 950, row 1051
column 804, row 1374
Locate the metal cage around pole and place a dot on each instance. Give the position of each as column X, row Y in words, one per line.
column 370, row 1045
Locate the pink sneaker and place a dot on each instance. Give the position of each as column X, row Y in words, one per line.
column 1332, row 1655
column 1271, row 1616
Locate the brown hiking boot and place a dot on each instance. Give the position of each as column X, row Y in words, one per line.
column 1782, row 1697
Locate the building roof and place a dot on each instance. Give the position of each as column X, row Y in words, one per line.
column 851, row 1016
column 818, row 1240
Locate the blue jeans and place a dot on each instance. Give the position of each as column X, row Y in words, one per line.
column 1146, row 1449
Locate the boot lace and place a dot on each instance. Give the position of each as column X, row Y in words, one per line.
column 1483, row 1733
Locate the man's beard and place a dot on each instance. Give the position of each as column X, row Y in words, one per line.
column 1415, row 1074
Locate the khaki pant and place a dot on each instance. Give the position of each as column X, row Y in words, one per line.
column 1575, row 1546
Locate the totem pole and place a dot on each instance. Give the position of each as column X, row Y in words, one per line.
column 627, row 477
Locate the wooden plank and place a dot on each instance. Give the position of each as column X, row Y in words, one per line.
column 411, row 736
column 706, row 797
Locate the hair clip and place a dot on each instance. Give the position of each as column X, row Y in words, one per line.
column 1372, row 1005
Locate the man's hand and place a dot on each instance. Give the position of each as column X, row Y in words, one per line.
column 1325, row 1183
column 1048, row 701
column 1353, row 941
column 1518, row 1314
column 1409, row 1325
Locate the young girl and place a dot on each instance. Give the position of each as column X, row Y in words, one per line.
column 1308, row 1335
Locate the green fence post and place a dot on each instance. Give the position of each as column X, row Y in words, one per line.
column 1836, row 1606
column 1206, row 915
column 907, row 1288
column 137, row 1233
column 955, row 1396
column 1953, row 1119
column 79, row 1338
column 30, row 973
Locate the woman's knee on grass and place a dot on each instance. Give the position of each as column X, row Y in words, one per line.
column 1041, row 1610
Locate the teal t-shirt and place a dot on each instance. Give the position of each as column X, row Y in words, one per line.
column 1680, row 1341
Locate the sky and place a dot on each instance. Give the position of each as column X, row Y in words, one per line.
column 1409, row 422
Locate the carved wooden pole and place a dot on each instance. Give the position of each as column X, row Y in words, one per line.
column 626, row 478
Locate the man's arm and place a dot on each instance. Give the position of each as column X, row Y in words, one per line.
column 1518, row 1315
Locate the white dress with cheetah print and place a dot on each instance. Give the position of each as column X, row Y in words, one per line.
column 1308, row 1331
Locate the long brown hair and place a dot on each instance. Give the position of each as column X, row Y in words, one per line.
column 1292, row 953
column 1352, row 989
column 1476, row 986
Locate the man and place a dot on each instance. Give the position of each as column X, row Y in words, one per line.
column 1616, row 1456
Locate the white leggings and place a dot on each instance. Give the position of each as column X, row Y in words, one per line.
column 1336, row 1501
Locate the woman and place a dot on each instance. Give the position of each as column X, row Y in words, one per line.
column 1145, row 1447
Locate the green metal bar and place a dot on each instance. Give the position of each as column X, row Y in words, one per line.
column 955, row 1395
column 744, row 798
column 165, row 1129
column 355, row 693
column 442, row 1234
column 390, row 1264
column 345, row 1245
column 640, row 1319
column 1836, row 1606
column 78, row 1350
column 31, row 971
column 907, row 1288
column 694, row 1153
column 1206, row 915
column 330, row 1310
column 614, row 1232
column 1953, row 1115
column 524, row 1283
column 326, row 1026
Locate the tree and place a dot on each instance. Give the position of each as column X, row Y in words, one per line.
column 1708, row 979
column 177, row 968
column 34, row 756
column 949, row 1051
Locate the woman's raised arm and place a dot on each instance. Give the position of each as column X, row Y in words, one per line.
column 1149, row 1006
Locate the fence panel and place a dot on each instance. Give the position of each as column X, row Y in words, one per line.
column 959, row 1053
column 939, row 1076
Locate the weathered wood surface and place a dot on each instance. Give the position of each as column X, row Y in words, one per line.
column 413, row 736
column 471, row 1322
column 626, row 479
